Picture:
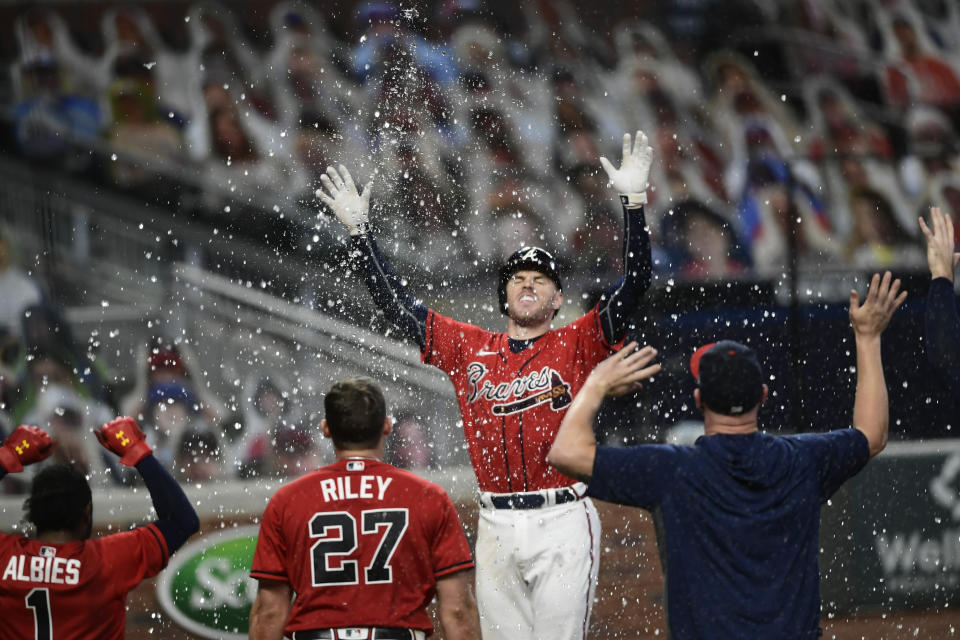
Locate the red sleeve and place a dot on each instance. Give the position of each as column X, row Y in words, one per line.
column 448, row 342
column 268, row 559
column 130, row 557
column 449, row 547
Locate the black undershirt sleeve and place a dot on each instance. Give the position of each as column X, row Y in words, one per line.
column 942, row 333
column 176, row 518
column 621, row 300
column 388, row 290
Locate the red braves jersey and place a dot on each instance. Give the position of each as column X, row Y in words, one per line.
column 512, row 403
column 361, row 543
column 74, row 589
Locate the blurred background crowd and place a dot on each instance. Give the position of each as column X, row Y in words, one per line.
column 787, row 134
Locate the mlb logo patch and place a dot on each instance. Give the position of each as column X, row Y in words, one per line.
column 355, row 465
column 48, row 552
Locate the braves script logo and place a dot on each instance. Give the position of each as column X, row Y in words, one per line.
column 521, row 393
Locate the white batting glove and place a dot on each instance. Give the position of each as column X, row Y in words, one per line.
column 630, row 180
column 351, row 208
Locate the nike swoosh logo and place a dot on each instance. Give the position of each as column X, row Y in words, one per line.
column 488, row 353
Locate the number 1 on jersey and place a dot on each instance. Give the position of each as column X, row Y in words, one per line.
column 39, row 600
column 339, row 530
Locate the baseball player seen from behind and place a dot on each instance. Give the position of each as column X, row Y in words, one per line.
column 738, row 512
column 538, row 539
column 59, row 583
column 941, row 321
column 361, row 545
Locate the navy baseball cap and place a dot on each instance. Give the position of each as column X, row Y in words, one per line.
column 729, row 376
column 527, row 258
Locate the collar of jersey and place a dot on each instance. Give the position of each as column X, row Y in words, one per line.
column 516, row 345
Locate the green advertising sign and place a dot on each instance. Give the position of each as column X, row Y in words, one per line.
column 207, row 589
column 891, row 536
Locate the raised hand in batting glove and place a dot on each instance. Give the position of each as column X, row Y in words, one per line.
column 123, row 437
column 631, row 179
column 350, row 207
column 26, row 445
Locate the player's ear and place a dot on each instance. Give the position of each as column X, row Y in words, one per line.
column 325, row 428
column 763, row 398
column 387, row 426
column 699, row 402
column 557, row 300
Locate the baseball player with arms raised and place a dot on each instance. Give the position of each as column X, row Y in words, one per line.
column 61, row 585
column 538, row 540
column 362, row 544
column 737, row 512
column 942, row 322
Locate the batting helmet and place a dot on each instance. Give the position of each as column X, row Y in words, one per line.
column 527, row 258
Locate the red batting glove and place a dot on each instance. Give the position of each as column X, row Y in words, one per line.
column 26, row 445
column 123, row 437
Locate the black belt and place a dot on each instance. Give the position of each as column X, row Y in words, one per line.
column 532, row 500
column 376, row 633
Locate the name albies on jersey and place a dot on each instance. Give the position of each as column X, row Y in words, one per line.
column 361, row 543
column 74, row 589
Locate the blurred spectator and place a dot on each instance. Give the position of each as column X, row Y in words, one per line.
column 148, row 146
column 17, row 290
column 409, row 447
column 408, row 108
column 490, row 79
column 575, row 142
column 382, row 27
column 162, row 363
column 643, row 46
column 219, row 52
column 751, row 122
column 239, row 170
column 915, row 72
column 945, row 194
column 172, row 411
column 933, row 152
column 596, row 243
column 132, row 42
column 69, row 419
column 941, row 19
column 691, row 164
column 44, row 38
column 424, row 208
column 46, row 332
column 702, row 244
column 878, row 241
column 42, row 369
column 319, row 143
column 781, row 217
column 838, row 125
column 308, row 55
column 267, row 410
column 199, row 458
column 848, row 173
column 556, row 34
column 294, row 452
column 846, row 53
column 48, row 118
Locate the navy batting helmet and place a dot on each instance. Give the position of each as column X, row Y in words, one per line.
column 527, row 258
